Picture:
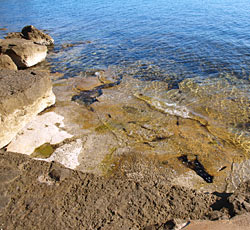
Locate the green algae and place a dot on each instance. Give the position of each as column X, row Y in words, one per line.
column 101, row 129
column 108, row 164
column 43, row 151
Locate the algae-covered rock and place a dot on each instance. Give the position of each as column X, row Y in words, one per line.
column 43, row 151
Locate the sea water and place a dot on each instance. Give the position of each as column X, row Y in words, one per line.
column 184, row 38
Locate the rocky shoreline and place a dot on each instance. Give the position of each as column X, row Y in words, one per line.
column 24, row 49
column 109, row 153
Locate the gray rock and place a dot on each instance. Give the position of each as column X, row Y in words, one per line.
column 23, row 95
column 37, row 36
column 23, row 52
column 7, row 63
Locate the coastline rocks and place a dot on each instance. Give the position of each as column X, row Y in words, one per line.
column 7, row 63
column 37, row 36
column 23, row 94
column 24, row 53
column 14, row 35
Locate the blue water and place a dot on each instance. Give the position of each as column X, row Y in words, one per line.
column 181, row 38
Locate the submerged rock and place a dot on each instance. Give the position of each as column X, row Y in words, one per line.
column 7, row 63
column 23, row 95
column 23, row 52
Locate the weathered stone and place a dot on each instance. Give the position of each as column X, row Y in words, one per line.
column 85, row 201
column 152, row 120
column 23, row 52
column 44, row 128
column 37, row 36
column 14, row 35
column 7, row 63
column 240, row 222
column 23, row 94
column 67, row 154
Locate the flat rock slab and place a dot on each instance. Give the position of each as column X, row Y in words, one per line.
column 23, row 95
column 241, row 222
column 44, row 128
column 23, row 52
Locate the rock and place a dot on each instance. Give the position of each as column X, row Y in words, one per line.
column 240, row 222
column 14, row 35
column 87, row 201
column 71, row 45
column 44, row 128
column 7, row 63
column 108, row 76
column 67, row 154
column 24, row 53
column 23, row 95
column 87, row 83
column 37, row 36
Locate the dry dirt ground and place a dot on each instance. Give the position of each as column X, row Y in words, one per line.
column 42, row 195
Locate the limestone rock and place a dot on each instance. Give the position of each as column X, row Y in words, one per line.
column 37, row 36
column 7, row 63
column 44, row 128
column 24, row 53
column 23, row 95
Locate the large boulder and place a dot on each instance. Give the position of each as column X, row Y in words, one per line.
column 23, row 94
column 37, row 36
column 23, row 52
column 7, row 63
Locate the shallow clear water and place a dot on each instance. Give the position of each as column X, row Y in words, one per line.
column 183, row 38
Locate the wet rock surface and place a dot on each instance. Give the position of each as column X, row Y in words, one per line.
column 160, row 157
column 38, row 194
column 114, row 117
